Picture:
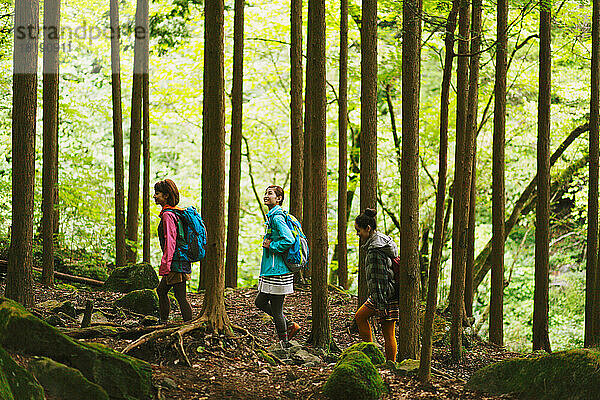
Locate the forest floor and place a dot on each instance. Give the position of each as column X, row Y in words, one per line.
column 227, row 369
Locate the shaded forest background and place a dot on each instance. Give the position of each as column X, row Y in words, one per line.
column 85, row 134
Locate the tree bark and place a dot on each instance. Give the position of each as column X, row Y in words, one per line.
column 19, row 282
column 146, row 135
column 135, row 140
column 496, row 331
column 408, row 340
column 117, row 118
column 592, row 282
column 213, row 165
column 297, row 134
column 342, row 243
column 50, row 130
column 235, row 157
column 307, row 190
column 462, row 180
column 368, row 124
column 440, row 198
column 542, row 218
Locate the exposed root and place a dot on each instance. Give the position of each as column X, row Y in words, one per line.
column 148, row 337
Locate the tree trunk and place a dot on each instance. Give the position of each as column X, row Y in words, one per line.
column 235, row 157
column 19, row 282
column 297, row 135
column 462, row 180
column 368, row 124
column 496, row 331
column 213, row 165
column 307, row 189
column 50, row 138
column 408, row 340
column 440, row 198
column 542, row 217
column 342, row 243
column 592, row 281
column 135, row 140
column 117, row 118
column 146, row 136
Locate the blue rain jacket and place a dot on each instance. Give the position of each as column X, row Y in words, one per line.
column 281, row 239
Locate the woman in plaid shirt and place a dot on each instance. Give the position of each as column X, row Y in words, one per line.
column 382, row 289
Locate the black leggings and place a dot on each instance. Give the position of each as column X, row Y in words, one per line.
column 272, row 304
column 164, row 303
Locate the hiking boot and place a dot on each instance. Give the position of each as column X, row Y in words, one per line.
column 292, row 330
column 284, row 344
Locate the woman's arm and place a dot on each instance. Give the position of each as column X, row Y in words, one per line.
column 170, row 226
column 286, row 237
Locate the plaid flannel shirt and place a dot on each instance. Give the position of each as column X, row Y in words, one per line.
column 379, row 278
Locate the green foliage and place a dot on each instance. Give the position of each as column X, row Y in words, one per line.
column 572, row 374
column 354, row 377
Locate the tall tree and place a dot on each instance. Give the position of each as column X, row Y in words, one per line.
column 342, row 254
column 462, row 181
column 541, row 340
column 368, row 123
column 50, row 133
column 297, row 134
column 592, row 281
column 307, row 189
column 19, row 282
column 496, row 332
column 213, row 164
column 135, row 139
column 408, row 341
column 235, row 156
column 146, row 134
column 473, row 103
column 115, row 60
column 440, row 197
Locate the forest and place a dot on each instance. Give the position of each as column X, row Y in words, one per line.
column 470, row 126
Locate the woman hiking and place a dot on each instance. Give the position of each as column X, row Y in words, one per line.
column 276, row 280
column 382, row 301
column 174, row 271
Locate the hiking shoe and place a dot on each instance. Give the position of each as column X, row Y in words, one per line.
column 284, row 344
column 292, row 330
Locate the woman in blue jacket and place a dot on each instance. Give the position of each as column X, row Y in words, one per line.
column 276, row 280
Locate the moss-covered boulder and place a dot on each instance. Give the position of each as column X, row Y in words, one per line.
column 132, row 277
column 120, row 375
column 369, row 349
column 355, row 377
column 572, row 374
column 143, row 301
column 57, row 306
column 64, row 382
column 15, row 382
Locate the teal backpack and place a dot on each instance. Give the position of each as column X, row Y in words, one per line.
column 296, row 257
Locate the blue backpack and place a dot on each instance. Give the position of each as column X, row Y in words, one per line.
column 296, row 257
column 193, row 232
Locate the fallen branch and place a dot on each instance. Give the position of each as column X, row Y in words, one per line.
column 74, row 278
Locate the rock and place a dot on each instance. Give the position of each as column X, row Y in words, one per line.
column 55, row 320
column 98, row 318
column 354, row 377
column 132, row 277
column 140, row 301
column 15, row 382
column 367, row 348
column 168, row 383
column 150, row 320
column 120, row 375
column 56, row 306
column 64, row 382
column 305, row 357
column 571, row 374
column 404, row 368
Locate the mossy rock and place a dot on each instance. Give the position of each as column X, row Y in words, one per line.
column 15, row 382
column 140, row 301
column 57, row 306
column 571, row 374
column 355, row 377
column 367, row 348
column 64, row 382
column 132, row 277
column 120, row 375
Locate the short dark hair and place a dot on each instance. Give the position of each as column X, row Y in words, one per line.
column 367, row 218
column 278, row 192
column 169, row 188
